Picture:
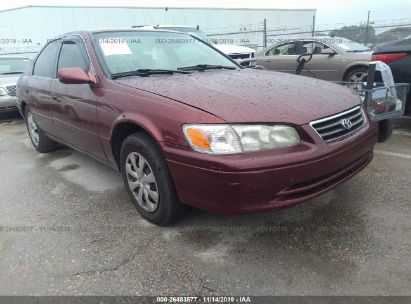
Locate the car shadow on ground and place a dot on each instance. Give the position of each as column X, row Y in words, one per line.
column 10, row 117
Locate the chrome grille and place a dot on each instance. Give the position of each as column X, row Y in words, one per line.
column 11, row 90
column 240, row 56
column 339, row 125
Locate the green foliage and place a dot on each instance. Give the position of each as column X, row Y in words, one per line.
column 356, row 33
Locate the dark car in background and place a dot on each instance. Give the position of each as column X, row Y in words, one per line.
column 10, row 70
column 397, row 55
column 187, row 125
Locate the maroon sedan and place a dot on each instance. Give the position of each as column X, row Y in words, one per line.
column 186, row 125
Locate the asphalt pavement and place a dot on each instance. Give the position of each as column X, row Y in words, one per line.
column 67, row 227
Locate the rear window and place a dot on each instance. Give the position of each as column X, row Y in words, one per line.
column 352, row 46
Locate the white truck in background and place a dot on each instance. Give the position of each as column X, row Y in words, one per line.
column 242, row 54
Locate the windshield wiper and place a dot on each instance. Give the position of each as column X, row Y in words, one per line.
column 203, row 67
column 146, row 72
column 10, row 73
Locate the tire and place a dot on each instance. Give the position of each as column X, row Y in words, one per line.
column 259, row 67
column 356, row 75
column 384, row 130
column 140, row 161
column 38, row 138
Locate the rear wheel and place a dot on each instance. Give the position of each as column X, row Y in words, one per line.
column 40, row 141
column 148, row 180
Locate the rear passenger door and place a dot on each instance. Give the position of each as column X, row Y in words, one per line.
column 75, row 110
column 38, row 86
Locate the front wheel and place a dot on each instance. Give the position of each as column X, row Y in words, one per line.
column 357, row 75
column 39, row 140
column 148, row 180
column 384, row 130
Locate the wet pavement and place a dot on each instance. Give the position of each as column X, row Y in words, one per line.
column 67, row 227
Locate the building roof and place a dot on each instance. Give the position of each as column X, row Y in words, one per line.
column 397, row 33
column 158, row 7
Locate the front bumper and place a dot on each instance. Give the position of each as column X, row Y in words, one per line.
column 269, row 180
column 8, row 103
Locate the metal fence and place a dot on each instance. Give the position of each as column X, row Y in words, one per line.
column 263, row 36
column 260, row 34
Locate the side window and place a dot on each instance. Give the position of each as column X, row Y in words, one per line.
column 45, row 65
column 313, row 47
column 73, row 55
column 283, row 49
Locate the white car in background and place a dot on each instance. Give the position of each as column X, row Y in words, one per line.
column 11, row 67
column 242, row 54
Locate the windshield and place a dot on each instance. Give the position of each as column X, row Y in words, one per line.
column 130, row 51
column 13, row 65
column 352, row 46
column 189, row 30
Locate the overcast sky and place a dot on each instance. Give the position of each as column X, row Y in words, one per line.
column 328, row 11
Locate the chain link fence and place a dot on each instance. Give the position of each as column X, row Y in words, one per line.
column 370, row 33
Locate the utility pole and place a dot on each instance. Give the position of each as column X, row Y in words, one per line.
column 265, row 34
column 313, row 28
column 367, row 28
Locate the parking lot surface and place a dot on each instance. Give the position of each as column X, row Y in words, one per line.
column 67, row 227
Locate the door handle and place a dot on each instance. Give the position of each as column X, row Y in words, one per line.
column 54, row 98
column 268, row 60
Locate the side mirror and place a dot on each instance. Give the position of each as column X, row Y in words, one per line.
column 75, row 76
column 328, row 51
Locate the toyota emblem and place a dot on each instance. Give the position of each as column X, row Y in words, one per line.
column 346, row 123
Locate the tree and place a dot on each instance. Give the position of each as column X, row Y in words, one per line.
column 356, row 33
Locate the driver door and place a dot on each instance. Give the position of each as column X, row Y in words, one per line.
column 75, row 110
column 324, row 65
column 281, row 58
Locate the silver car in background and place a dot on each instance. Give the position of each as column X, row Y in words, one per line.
column 334, row 58
column 10, row 70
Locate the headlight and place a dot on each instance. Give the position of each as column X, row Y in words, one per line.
column 261, row 137
column 218, row 139
column 231, row 139
column 3, row 92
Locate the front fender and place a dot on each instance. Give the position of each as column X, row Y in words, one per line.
column 141, row 121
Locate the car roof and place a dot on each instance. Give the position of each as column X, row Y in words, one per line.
column 316, row 38
column 323, row 39
column 13, row 57
column 113, row 30
column 159, row 26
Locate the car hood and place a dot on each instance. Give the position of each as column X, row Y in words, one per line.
column 9, row 79
column 249, row 95
column 233, row 49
